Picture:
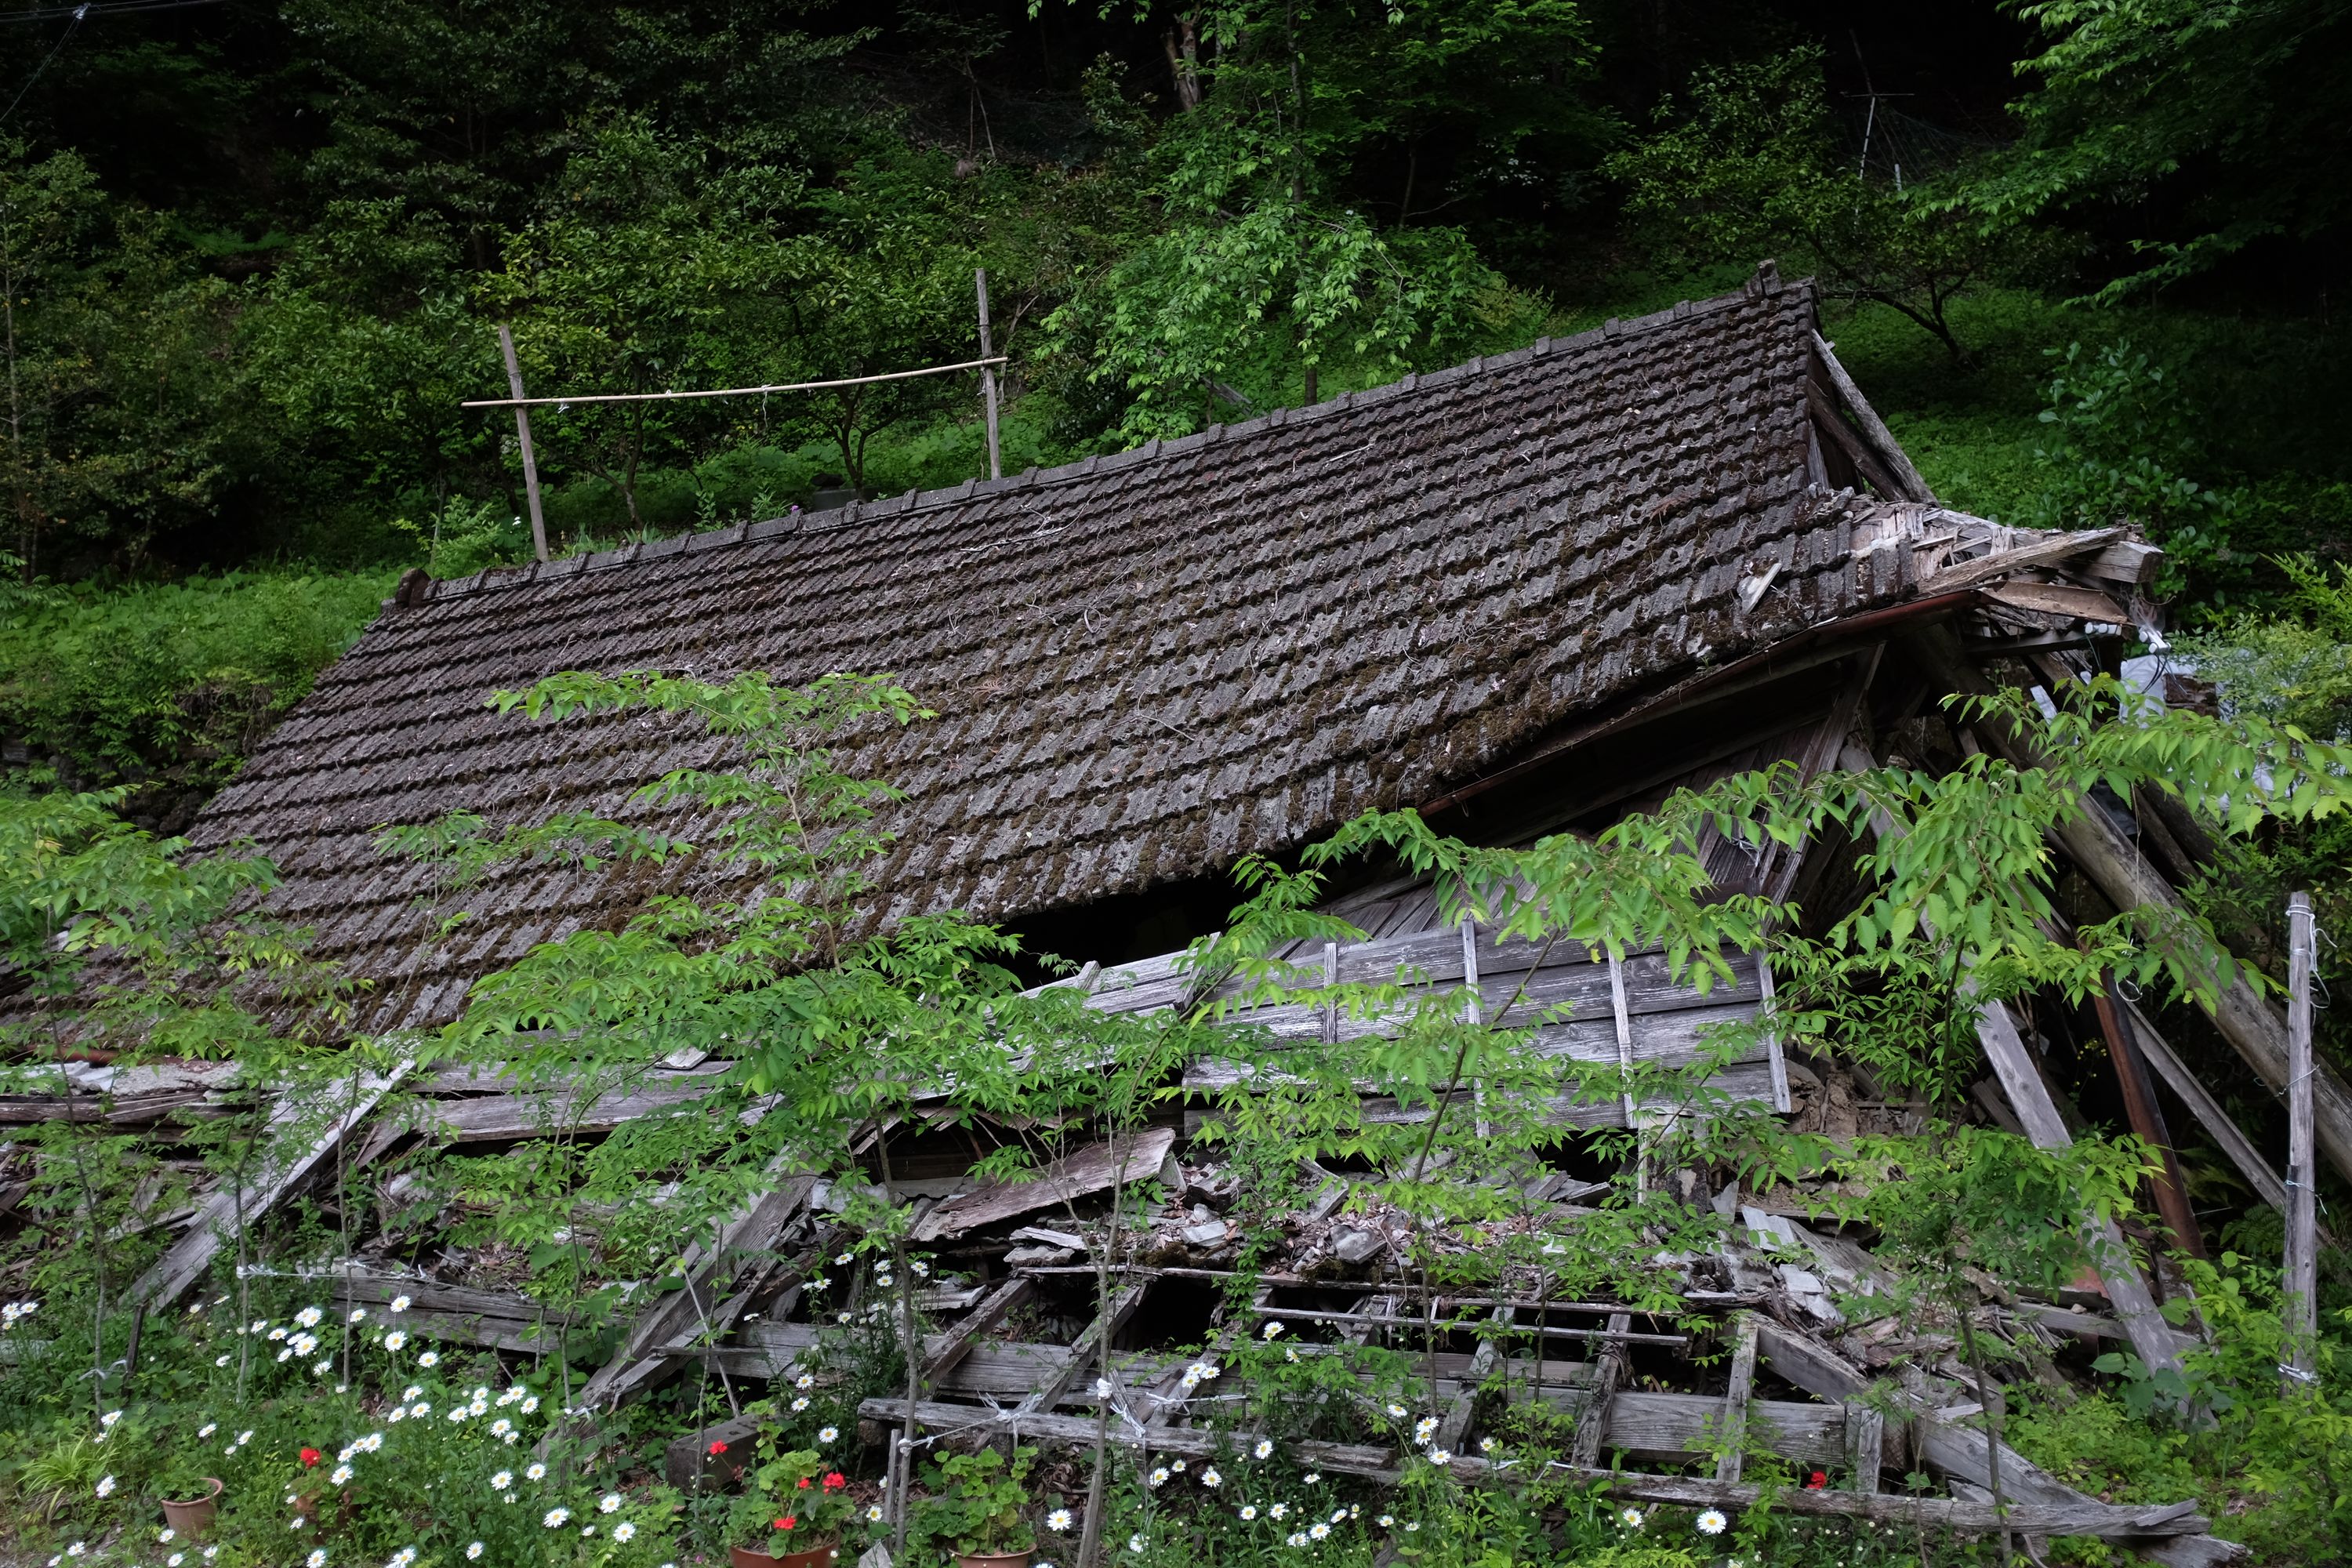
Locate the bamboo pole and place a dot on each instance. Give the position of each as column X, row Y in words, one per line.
column 522, row 437
column 519, row 401
column 987, row 376
column 2301, row 1162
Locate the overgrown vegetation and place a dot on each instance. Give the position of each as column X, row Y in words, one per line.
column 359, row 1431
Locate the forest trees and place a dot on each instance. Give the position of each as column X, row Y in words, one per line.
column 1262, row 271
column 1751, row 164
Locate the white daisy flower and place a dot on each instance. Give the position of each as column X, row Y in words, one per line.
column 473, row 1550
column 430, row 1358
column 1209, row 1477
column 276, row 1334
column 1296, row 1538
column 844, row 1261
column 1058, row 1520
column 309, row 1317
column 1313, row 1476
column 359, row 1315
column 1424, row 1430
column 1265, row 1448
column 1177, row 1465
column 1439, row 1456
column 1159, row 1475
column 421, row 1408
column 1396, row 1411
column 400, row 1303
column 1321, row 1531
column 920, row 1267
column 370, row 1444
column 1712, row 1522
column 502, row 1480
column 1273, row 1330
column 221, row 1359
column 501, row 1427
column 609, row 1503
column 1249, row 1512
column 1385, row 1521
column 1135, row 1545
column 173, row 1561
column 166, row 1536
column 1102, row 1388
column 1337, row 1514
column 624, row 1532
column 1290, row 1355
column 841, row 1317
column 245, row 1436
column 105, row 1486
column 1277, row 1510
column 799, row 1404
column 317, row 1559
column 874, row 1514
column 827, row 1434
column 536, row 1472
column 556, row 1518
column 1631, row 1519
column 529, row 1404
column 342, row 1478
column 509, row 1397
column 1487, row 1445
column 395, row 1340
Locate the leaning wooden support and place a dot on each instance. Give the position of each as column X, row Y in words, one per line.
column 638, row 1364
column 2301, row 1284
column 1963, row 1453
column 2126, row 880
column 2029, row 1097
column 283, row 1169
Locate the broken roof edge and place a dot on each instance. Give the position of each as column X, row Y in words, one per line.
column 1766, row 283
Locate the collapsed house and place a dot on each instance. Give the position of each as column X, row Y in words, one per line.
column 1526, row 595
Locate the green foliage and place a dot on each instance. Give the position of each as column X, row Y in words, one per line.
column 978, row 1502
column 2118, row 431
column 1750, row 166
column 2221, row 117
column 175, row 681
column 1259, row 266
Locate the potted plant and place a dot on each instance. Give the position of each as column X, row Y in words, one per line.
column 793, row 1512
column 976, row 1510
column 190, row 1496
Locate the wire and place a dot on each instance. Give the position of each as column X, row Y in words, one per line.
column 90, row 8
column 561, row 403
column 63, row 39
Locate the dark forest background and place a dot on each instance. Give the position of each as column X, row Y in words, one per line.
column 2087, row 255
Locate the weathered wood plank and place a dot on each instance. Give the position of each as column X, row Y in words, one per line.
column 1090, row 1170
column 283, row 1167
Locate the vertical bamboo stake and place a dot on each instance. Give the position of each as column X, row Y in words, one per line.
column 987, row 377
column 2302, row 1164
column 522, row 437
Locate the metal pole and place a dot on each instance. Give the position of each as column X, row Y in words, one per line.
column 2302, row 1281
column 987, row 376
column 522, row 435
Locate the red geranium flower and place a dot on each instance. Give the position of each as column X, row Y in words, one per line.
column 835, row 1480
column 786, row 1523
column 803, row 1483
column 310, row 1458
column 1816, row 1480
column 717, row 1448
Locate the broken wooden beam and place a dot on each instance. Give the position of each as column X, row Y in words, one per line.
column 699, row 1305
column 1080, row 1174
column 2125, row 877
column 283, row 1167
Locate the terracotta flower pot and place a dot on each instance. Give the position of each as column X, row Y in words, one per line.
column 824, row 1556
column 195, row 1516
column 995, row 1559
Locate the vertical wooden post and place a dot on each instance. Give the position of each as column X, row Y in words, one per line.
column 2301, row 1154
column 987, row 376
column 522, row 438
